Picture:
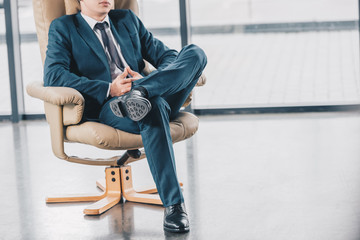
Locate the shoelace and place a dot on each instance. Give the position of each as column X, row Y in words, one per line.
column 177, row 207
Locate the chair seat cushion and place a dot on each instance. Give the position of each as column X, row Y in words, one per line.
column 106, row 137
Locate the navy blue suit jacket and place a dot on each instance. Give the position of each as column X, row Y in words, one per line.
column 75, row 57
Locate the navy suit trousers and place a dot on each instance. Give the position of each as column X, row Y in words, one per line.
column 167, row 89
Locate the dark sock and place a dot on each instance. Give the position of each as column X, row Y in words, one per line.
column 143, row 91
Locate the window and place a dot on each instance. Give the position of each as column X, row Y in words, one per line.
column 274, row 53
column 5, row 104
column 163, row 24
column 32, row 69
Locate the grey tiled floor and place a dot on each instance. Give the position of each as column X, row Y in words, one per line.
column 268, row 176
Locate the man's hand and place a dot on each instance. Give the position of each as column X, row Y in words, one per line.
column 121, row 84
column 135, row 75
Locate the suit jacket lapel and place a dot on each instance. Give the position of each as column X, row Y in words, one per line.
column 91, row 39
column 125, row 43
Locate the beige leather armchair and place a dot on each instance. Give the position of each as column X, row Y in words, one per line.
column 64, row 108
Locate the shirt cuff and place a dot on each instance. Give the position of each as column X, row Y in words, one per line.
column 108, row 92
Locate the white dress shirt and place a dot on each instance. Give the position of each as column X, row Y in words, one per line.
column 114, row 70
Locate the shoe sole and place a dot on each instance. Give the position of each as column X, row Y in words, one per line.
column 134, row 108
column 177, row 230
column 137, row 108
column 115, row 108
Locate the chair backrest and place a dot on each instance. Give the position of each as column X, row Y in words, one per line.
column 47, row 10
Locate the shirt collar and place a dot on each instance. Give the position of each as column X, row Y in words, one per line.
column 92, row 21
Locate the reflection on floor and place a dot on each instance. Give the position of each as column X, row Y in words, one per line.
column 284, row 176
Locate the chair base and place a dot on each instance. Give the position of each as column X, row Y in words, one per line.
column 101, row 184
column 118, row 184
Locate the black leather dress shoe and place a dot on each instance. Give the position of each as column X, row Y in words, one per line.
column 176, row 219
column 132, row 104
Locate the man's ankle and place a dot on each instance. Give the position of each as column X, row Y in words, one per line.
column 142, row 90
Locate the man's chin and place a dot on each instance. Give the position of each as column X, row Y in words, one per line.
column 104, row 11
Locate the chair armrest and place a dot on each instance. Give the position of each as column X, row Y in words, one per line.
column 63, row 106
column 71, row 100
column 148, row 68
column 54, row 95
column 202, row 81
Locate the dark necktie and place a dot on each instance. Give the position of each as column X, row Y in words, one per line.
column 109, row 45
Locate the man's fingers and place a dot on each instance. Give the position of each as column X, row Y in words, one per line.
column 124, row 85
column 125, row 73
column 129, row 69
column 126, row 80
column 121, row 76
column 131, row 72
column 125, row 90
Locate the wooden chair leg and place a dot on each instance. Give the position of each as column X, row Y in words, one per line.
column 152, row 189
column 74, row 198
column 84, row 197
column 118, row 182
column 101, row 184
column 112, row 195
column 130, row 194
column 147, row 190
column 105, row 201
column 103, row 205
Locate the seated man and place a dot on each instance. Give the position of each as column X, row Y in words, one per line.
column 100, row 53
